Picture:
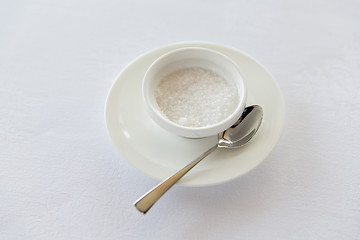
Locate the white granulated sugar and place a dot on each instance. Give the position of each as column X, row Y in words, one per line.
column 196, row 97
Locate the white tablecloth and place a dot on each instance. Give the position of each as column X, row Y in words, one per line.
column 61, row 177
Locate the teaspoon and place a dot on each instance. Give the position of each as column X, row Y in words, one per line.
column 236, row 136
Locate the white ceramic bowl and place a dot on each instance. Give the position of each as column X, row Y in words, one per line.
column 187, row 58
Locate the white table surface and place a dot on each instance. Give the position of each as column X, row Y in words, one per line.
column 61, row 177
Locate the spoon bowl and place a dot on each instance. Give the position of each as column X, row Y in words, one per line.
column 236, row 136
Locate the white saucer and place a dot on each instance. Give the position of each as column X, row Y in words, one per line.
column 159, row 154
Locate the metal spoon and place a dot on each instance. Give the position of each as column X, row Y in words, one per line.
column 235, row 136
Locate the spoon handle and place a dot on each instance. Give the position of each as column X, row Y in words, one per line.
column 144, row 203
